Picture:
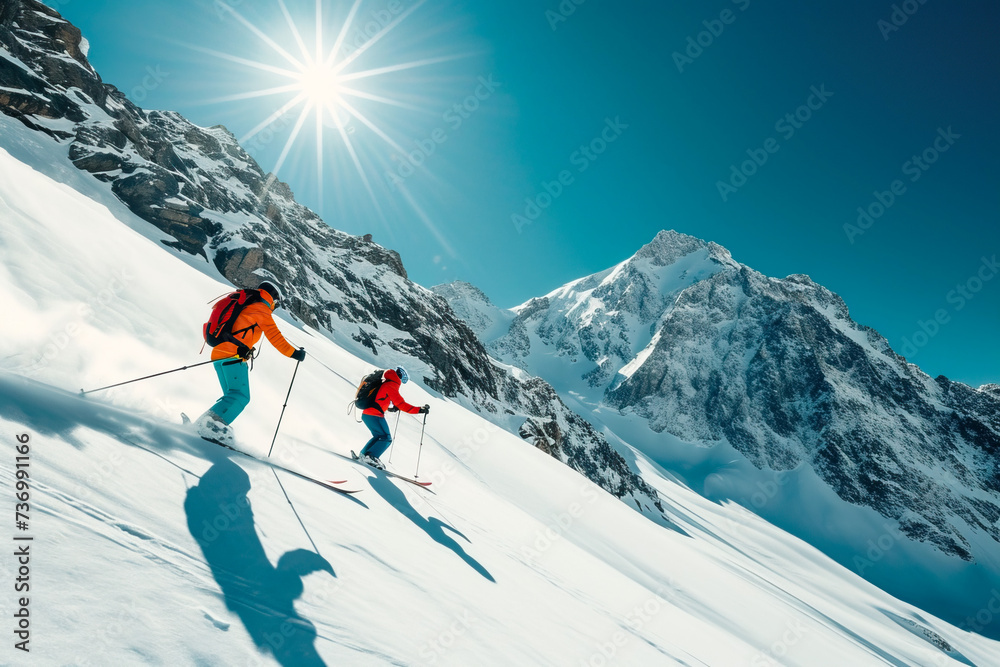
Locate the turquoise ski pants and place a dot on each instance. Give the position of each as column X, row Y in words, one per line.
column 234, row 376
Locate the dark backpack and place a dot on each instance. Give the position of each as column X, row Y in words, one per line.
column 368, row 390
column 219, row 328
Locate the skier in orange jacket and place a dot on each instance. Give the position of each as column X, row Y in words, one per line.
column 231, row 357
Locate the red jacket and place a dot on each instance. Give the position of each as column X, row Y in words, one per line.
column 389, row 393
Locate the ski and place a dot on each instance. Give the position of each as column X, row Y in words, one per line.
column 327, row 484
column 354, row 457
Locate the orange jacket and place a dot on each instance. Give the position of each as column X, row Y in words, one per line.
column 255, row 320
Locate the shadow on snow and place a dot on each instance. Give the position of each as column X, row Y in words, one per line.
column 433, row 526
column 221, row 520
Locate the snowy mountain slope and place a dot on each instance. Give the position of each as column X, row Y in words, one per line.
column 207, row 198
column 153, row 547
column 487, row 320
column 681, row 351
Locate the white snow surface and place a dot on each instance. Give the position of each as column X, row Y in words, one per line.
column 154, row 547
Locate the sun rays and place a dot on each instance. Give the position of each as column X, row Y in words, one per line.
column 325, row 88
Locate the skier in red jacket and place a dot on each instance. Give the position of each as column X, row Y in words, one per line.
column 374, row 417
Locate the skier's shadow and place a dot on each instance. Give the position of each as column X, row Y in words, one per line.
column 221, row 520
column 433, row 526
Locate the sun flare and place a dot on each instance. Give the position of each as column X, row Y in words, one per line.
column 325, row 87
column 321, row 86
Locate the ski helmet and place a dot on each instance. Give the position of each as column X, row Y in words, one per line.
column 404, row 377
column 272, row 290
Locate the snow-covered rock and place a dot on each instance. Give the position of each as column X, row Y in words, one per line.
column 474, row 308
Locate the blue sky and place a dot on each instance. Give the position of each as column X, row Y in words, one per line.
column 549, row 83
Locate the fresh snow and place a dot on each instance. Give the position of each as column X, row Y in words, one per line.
column 513, row 559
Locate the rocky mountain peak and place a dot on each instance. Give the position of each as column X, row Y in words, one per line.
column 722, row 255
column 799, row 278
column 668, row 246
column 461, row 289
column 991, row 389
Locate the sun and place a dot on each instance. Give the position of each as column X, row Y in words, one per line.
column 320, row 84
column 321, row 87
column 327, row 87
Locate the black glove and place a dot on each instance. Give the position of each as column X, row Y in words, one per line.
column 424, row 410
column 392, row 408
column 299, row 355
column 243, row 352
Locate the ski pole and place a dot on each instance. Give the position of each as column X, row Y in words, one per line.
column 283, row 408
column 394, row 429
column 294, row 511
column 332, row 371
column 182, row 368
column 416, row 474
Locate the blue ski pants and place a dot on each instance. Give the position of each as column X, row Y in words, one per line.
column 234, row 376
column 381, row 437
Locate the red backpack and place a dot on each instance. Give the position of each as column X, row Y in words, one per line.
column 219, row 328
